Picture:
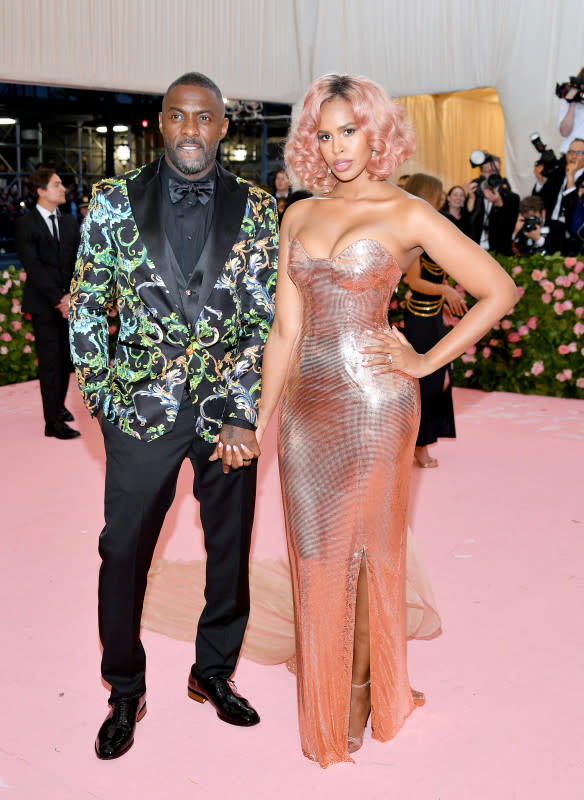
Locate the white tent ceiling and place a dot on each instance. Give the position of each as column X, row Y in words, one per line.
column 272, row 49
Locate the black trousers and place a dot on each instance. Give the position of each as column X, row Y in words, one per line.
column 139, row 488
column 51, row 335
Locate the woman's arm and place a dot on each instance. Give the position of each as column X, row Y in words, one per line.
column 283, row 333
column 418, row 284
column 469, row 265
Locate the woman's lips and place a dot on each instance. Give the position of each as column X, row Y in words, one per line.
column 341, row 166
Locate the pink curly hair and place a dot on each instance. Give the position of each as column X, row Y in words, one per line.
column 383, row 121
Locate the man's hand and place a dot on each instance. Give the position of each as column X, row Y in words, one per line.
column 535, row 234
column 63, row 306
column 493, row 195
column 538, row 172
column 235, row 447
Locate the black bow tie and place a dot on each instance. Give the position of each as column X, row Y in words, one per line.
column 203, row 189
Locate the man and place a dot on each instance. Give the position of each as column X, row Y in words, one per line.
column 47, row 243
column 559, row 193
column 493, row 210
column 531, row 235
column 189, row 252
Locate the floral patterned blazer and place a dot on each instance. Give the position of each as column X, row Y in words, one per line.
column 206, row 339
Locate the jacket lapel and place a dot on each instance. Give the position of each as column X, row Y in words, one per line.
column 230, row 204
column 146, row 202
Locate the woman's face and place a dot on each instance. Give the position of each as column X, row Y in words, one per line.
column 281, row 182
column 456, row 197
column 341, row 142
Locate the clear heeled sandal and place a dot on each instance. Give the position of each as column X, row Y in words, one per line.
column 355, row 742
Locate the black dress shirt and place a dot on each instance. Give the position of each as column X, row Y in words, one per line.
column 186, row 223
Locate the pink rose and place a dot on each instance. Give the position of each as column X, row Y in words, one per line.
column 516, row 270
column 547, row 286
column 468, row 373
column 579, row 285
column 468, row 359
column 567, row 305
column 471, row 350
column 2, row 317
column 3, row 290
column 558, row 307
column 580, row 383
column 565, row 375
column 393, row 304
column 532, row 323
column 16, row 325
column 486, row 352
column 493, row 342
column 579, row 311
column 3, row 350
column 570, row 262
column 523, row 330
column 514, row 337
column 506, row 324
column 537, row 275
column 537, row 368
column 572, row 347
column 29, row 336
column 578, row 329
column 408, row 294
column 22, row 276
column 563, row 350
column 516, row 353
column 520, row 291
column 572, row 277
column 6, row 337
column 579, row 267
column 559, row 294
column 26, row 348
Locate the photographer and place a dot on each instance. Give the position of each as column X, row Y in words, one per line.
column 492, row 206
column 530, row 234
column 559, row 192
column 571, row 116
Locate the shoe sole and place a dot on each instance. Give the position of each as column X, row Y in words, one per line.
column 101, row 757
column 200, row 698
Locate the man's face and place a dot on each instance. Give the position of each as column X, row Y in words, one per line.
column 575, row 155
column 192, row 123
column 54, row 194
column 281, row 182
column 488, row 168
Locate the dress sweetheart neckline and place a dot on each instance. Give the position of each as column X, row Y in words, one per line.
column 344, row 250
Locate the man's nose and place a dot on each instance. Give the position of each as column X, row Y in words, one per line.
column 190, row 125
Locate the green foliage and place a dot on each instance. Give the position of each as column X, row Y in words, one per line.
column 17, row 351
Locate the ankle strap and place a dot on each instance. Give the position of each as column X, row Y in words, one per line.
column 361, row 685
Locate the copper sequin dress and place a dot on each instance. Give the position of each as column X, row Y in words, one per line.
column 346, row 443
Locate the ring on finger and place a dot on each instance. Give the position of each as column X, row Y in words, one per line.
column 390, row 358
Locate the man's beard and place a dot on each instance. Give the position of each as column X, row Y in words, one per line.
column 191, row 166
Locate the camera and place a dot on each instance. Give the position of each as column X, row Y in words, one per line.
column 548, row 158
column 531, row 223
column 494, row 181
column 575, row 82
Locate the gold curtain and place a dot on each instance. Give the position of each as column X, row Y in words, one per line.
column 448, row 127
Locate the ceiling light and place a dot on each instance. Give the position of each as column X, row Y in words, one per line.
column 101, row 129
column 120, row 128
column 7, row 121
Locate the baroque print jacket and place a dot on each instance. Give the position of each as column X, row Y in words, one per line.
column 206, row 338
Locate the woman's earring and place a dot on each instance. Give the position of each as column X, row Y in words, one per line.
column 329, row 171
column 373, row 154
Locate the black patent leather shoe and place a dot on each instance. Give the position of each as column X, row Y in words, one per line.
column 66, row 415
column 116, row 735
column 220, row 692
column 60, row 430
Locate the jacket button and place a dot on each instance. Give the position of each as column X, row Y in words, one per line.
column 190, row 350
column 188, row 292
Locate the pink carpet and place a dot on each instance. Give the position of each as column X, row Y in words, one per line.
column 500, row 526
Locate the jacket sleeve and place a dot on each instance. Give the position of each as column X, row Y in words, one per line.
column 93, row 294
column 256, row 292
column 38, row 273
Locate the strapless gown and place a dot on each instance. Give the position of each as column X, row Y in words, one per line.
column 346, row 443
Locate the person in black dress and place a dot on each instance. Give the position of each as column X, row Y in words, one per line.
column 424, row 327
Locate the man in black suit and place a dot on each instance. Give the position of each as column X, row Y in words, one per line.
column 493, row 209
column 47, row 243
column 190, row 250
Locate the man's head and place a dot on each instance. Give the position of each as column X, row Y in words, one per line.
column 48, row 187
column 281, row 182
column 491, row 166
column 192, row 123
column 532, row 206
column 575, row 155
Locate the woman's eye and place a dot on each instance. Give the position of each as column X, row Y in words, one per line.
column 323, row 137
column 349, row 131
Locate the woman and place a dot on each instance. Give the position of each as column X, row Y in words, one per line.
column 454, row 209
column 349, row 415
column 424, row 327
